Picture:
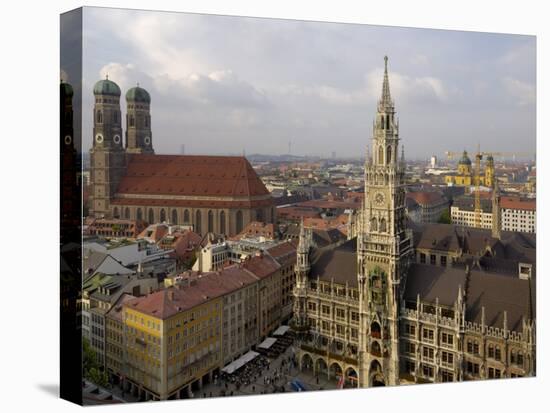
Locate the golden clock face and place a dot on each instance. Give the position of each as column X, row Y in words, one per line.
column 379, row 198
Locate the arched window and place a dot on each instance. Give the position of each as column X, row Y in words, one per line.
column 131, row 121
column 373, row 224
column 382, row 225
column 174, row 216
column 375, row 349
column 513, row 357
column 388, row 122
column 382, row 119
column 127, row 213
column 260, row 215
column 239, row 223
column 162, row 215
column 388, row 154
column 210, row 221
column 139, row 214
column 380, row 155
column 151, row 217
column 491, row 351
column 222, row 222
column 375, row 330
column 186, row 216
column 198, row 226
column 99, row 116
column 115, row 212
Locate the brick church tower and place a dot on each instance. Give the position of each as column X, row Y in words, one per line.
column 107, row 156
column 138, row 121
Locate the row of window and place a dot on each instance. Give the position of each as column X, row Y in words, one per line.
column 433, row 259
column 339, row 312
column 338, row 291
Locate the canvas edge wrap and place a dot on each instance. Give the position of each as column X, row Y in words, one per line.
column 70, row 205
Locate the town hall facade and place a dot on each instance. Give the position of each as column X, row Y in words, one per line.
column 400, row 304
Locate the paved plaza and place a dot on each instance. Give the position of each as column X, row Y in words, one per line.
column 275, row 378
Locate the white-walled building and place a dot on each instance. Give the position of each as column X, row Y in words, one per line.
column 518, row 214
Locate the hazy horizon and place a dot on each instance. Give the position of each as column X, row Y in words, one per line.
column 222, row 84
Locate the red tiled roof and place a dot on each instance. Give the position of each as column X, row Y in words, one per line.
column 157, row 232
column 518, row 203
column 425, row 197
column 256, row 228
column 170, row 301
column 284, row 252
column 282, row 249
column 220, row 176
column 261, row 266
column 351, row 203
column 192, row 203
column 296, row 212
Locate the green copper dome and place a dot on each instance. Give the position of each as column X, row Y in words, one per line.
column 106, row 87
column 66, row 89
column 465, row 160
column 138, row 94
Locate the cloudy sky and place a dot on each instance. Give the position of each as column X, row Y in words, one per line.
column 221, row 85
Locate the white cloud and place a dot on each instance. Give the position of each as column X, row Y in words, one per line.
column 221, row 87
column 420, row 60
column 524, row 93
column 220, row 83
column 403, row 87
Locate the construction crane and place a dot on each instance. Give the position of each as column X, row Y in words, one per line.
column 477, row 171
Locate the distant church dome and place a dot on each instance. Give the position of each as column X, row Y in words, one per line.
column 106, row 87
column 66, row 89
column 465, row 160
column 490, row 158
column 138, row 94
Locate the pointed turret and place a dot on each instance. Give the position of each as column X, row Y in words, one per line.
column 303, row 249
column 385, row 100
column 301, row 270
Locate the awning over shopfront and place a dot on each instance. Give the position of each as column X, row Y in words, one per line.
column 281, row 331
column 267, row 343
column 241, row 361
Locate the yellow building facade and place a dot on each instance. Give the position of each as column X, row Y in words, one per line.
column 172, row 345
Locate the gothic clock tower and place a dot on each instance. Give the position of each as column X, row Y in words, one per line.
column 384, row 247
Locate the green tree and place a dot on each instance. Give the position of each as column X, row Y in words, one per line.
column 445, row 217
column 91, row 367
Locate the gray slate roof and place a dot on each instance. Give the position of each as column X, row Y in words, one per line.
column 338, row 262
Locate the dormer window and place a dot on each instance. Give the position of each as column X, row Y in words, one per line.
column 525, row 271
